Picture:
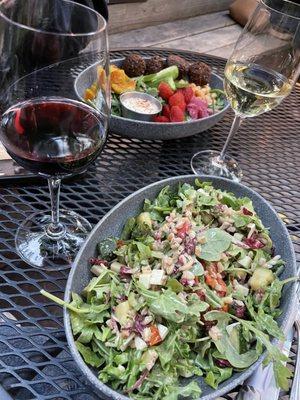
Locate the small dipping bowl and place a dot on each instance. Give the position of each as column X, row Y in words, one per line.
column 139, row 106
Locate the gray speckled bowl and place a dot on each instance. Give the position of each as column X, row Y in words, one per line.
column 152, row 130
column 112, row 224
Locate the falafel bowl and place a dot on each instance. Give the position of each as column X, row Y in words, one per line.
column 191, row 95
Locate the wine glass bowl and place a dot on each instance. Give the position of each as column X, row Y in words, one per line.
column 44, row 126
column 259, row 74
column 52, row 136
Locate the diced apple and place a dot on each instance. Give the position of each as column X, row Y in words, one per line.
column 245, row 261
column 149, row 358
column 146, row 334
column 144, row 280
column 139, row 343
column 127, row 342
column 122, row 312
column 115, row 266
column 163, row 331
column 157, row 277
column 145, row 218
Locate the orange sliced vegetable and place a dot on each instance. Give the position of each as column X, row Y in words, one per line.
column 155, row 336
column 101, row 77
column 214, row 282
column 225, row 308
column 210, row 281
column 120, row 82
column 89, row 94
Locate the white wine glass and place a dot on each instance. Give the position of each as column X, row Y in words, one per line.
column 259, row 74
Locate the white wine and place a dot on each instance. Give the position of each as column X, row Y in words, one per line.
column 253, row 90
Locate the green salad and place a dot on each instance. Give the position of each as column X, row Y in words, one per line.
column 191, row 288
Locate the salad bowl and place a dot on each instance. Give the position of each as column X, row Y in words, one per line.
column 112, row 225
column 146, row 130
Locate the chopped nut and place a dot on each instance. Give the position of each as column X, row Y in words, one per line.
column 147, row 320
column 198, row 251
column 188, row 275
column 125, row 333
column 201, row 239
column 171, row 237
column 181, row 222
column 231, row 229
column 220, row 267
column 215, row 333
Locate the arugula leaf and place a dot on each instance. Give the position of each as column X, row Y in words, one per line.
column 162, row 205
column 217, row 241
column 241, row 220
column 144, row 251
column 212, row 298
column 169, row 306
column 225, row 345
column 202, row 362
column 191, row 390
column 274, row 354
column 282, row 375
column 115, row 104
column 174, row 285
column 197, row 269
column 204, row 199
column 275, row 291
column 167, row 349
column 265, row 322
column 87, row 332
column 128, row 227
column 88, row 355
column 217, row 375
column 196, row 306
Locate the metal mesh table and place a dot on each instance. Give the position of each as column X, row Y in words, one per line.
column 34, row 358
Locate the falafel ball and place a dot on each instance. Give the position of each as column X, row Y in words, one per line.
column 154, row 65
column 199, row 73
column 181, row 63
column 134, row 65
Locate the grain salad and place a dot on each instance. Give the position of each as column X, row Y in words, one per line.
column 190, row 289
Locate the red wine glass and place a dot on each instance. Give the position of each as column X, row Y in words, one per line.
column 45, row 127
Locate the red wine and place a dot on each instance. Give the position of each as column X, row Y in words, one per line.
column 52, row 136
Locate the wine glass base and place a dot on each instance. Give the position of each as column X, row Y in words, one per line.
column 208, row 162
column 38, row 249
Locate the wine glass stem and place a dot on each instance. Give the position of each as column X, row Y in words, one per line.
column 55, row 230
column 234, row 128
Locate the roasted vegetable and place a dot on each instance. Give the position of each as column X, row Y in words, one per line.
column 120, row 82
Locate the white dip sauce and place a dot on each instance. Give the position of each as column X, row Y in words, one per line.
column 140, row 105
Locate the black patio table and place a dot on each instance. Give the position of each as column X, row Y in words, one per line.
column 34, row 359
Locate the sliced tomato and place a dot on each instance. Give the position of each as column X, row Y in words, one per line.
column 182, row 232
column 155, row 336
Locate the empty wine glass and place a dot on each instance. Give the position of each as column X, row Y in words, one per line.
column 45, row 127
column 259, row 74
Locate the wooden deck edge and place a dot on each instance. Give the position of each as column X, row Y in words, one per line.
column 128, row 16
